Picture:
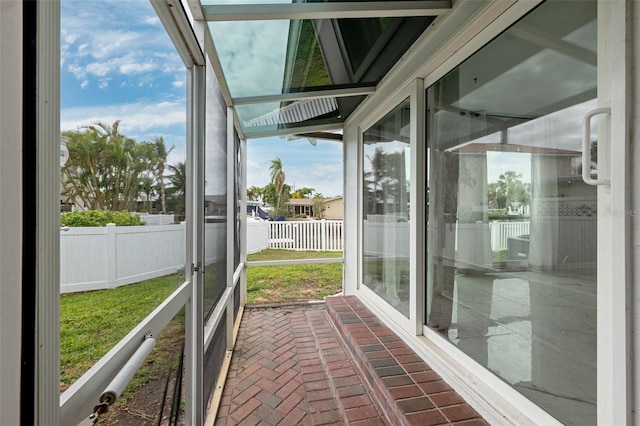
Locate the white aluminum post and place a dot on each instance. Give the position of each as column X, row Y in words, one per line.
column 243, row 221
column 417, row 207
column 194, row 332
column 47, row 224
column 11, row 217
column 231, row 221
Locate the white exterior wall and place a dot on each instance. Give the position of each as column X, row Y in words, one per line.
column 10, row 209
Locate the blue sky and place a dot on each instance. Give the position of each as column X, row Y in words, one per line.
column 117, row 63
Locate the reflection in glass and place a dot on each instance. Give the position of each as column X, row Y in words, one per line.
column 511, row 239
column 273, row 57
column 215, row 197
column 386, row 208
column 237, row 199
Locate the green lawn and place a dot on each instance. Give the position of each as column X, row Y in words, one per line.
column 91, row 323
column 287, row 283
column 274, row 254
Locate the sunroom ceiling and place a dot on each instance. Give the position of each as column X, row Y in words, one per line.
column 304, row 66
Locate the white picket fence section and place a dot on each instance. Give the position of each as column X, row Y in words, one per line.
column 501, row 231
column 312, row 235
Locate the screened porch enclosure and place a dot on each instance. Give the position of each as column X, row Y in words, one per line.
column 457, row 119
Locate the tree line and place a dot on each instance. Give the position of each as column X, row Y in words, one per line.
column 277, row 192
column 107, row 170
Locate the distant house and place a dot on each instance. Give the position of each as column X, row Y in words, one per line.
column 335, row 208
column 300, row 206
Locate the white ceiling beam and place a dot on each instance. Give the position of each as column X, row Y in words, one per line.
column 328, row 10
column 250, row 133
column 311, row 94
column 337, row 137
column 176, row 23
column 196, row 9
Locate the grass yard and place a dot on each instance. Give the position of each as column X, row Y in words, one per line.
column 288, row 283
column 91, row 323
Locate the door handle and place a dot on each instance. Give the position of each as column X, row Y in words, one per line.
column 586, row 150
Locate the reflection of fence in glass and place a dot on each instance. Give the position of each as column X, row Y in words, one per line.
column 502, row 231
column 316, row 235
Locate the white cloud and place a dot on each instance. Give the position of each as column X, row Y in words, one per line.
column 99, row 69
column 78, row 71
column 136, row 117
column 152, row 20
column 82, row 49
column 84, row 84
column 137, row 67
column 104, row 83
column 178, row 83
column 114, row 38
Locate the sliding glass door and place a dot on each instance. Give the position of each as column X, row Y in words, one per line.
column 386, row 179
column 512, row 226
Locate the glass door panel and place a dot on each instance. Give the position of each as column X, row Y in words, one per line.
column 511, row 238
column 386, row 180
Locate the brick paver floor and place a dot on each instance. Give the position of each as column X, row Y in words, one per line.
column 290, row 367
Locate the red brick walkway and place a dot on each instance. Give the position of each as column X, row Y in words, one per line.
column 290, row 367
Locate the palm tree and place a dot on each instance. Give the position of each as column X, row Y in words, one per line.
column 376, row 176
column 105, row 167
column 178, row 181
column 277, row 179
column 254, row 193
column 161, row 152
column 147, row 187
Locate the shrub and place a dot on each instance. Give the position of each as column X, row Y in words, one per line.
column 99, row 218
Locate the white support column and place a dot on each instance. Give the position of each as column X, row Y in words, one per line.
column 48, row 212
column 194, row 321
column 352, row 194
column 231, row 222
column 417, row 207
column 11, row 75
column 243, row 221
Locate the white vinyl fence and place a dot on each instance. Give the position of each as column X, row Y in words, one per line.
column 97, row 258
column 108, row 257
column 312, row 235
column 501, row 231
column 156, row 219
column 257, row 235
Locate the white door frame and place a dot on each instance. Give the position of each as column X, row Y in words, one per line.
column 614, row 222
